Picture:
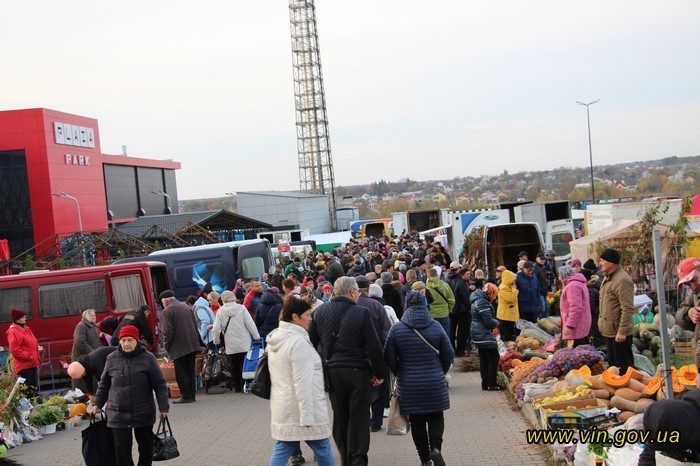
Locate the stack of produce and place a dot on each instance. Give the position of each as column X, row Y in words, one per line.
column 551, row 325
column 522, row 369
column 563, row 361
column 505, row 363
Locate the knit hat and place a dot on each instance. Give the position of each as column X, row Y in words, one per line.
column 418, row 285
column 565, row 272
column 228, row 296
column 320, row 279
column 166, row 294
column 129, row 331
column 17, row 314
column 325, row 288
column 240, row 294
column 589, row 265
column 276, row 290
column 520, row 264
column 386, row 277
column 611, row 255
column 415, row 298
column 375, row 291
column 501, row 268
column 529, row 265
column 207, row 288
column 575, row 262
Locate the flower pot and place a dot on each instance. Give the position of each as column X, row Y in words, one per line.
column 49, row 429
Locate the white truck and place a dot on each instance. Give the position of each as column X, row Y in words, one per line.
column 419, row 220
column 554, row 220
column 463, row 222
column 599, row 216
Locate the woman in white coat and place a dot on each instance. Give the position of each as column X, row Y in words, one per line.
column 298, row 400
column 234, row 321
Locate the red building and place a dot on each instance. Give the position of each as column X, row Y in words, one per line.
column 54, row 176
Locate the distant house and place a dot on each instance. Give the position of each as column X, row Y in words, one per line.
column 439, row 197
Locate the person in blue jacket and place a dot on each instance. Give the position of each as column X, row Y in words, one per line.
column 419, row 353
column 528, row 292
column 483, row 338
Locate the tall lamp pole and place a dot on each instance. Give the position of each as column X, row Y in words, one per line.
column 63, row 195
column 590, row 151
column 160, row 192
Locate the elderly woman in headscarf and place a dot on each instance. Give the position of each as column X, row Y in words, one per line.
column 483, row 338
column 574, row 307
column 86, row 338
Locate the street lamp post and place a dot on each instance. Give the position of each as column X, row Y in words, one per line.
column 63, row 195
column 160, row 192
column 590, row 151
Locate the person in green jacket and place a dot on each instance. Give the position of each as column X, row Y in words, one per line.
column 443, row 299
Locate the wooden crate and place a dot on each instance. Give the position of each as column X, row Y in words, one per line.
column 684, row 348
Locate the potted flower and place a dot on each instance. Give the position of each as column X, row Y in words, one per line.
column 45, row 419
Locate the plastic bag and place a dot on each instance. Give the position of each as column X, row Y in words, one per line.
column 534, row 389
column 643, row 363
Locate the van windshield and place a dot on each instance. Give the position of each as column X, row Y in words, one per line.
column 253, row 267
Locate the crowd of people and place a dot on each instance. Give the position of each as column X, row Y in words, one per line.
column 351, row 324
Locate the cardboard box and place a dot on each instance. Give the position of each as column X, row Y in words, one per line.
column 174, row 390
column 168, row 373
column 573, row 409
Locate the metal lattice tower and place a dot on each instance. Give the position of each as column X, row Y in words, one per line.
column 313, row 139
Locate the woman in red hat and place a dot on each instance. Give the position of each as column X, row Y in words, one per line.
column 24, row 348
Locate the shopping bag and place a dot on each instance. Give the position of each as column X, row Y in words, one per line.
column 262, row 384
column 397, row 423
column 98, row 443
column 164, row 444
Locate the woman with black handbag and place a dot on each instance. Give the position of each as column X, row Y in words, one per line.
column 298, row 404
column 130, row 377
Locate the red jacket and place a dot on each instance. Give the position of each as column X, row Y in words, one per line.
column 24, row 347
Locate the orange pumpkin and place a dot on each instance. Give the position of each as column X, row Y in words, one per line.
column 612, row 377
column 677, row 386
column 687, row 376
column 653, row 386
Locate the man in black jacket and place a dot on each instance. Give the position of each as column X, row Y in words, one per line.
column 182, row 342
column 139, row 319
column 460, row 314
column 344, row 335
column 541, row 274
column 89, row 367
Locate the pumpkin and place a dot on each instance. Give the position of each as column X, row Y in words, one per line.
column 677, row 385
column 653, row 386
column 78, row 409
column 636, row 385
column 627, row 405
column 687, row 376
column 613, row 379
column 596, row 382
column 583, row 370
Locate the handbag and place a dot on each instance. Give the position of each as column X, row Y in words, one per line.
column 222, row 335
column 262, row 385
column 164, row 444
column 397, row 423
column 98, row 443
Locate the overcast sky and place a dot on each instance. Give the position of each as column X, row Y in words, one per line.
column 426, row 90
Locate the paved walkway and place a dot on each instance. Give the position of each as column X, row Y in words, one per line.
column 481, row 428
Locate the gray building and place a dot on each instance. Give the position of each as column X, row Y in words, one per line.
column 293, row 209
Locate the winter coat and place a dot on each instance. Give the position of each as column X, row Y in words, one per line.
column 541, row 274
column 85, row 339
column 356, row 270
column 298, row 406
column 392, row 297
column 180, row 333
column 205, row 317
column 482, row 321
column 508, row 298
column 23, row 347
column 420, row 371
column 683, row 319
column 575, row 309
column 443, row 298
column 379, row 317
column 128, row 383
column 138, row 320
column 357, row 344
column 335, row 271
column 94, row 364
column 461, row 292
column 241, row 329
column 616, row 304
column 528, row 293
column 267, row 316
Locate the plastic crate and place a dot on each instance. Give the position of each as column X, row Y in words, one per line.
column 583, row 423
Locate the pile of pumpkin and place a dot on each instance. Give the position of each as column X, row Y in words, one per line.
column 635, row 390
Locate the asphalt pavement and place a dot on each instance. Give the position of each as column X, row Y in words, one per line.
column 481, row 428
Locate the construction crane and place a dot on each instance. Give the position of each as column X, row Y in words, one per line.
column 313, row 139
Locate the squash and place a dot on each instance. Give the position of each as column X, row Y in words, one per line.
column 615, row 380
column 625, row 415
column 596, row 382
column 687, row 375
column 653, row 386
column 601, row 394
column 677, row 385
column 548, row 326
column 655, row 343
column 78, row 409
column 583, row 370
column 646, row 335
column 641, row 345
column 650, row 327
column 636, row 385
column 628, row 394
column 627, row 405
column 635, row 374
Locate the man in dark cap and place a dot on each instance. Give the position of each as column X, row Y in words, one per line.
column 616, row 319
column 139, row 319
column 528, row 292
column 181, row 341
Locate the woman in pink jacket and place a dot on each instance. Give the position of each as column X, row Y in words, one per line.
column 575, row 307
column 24, row 348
